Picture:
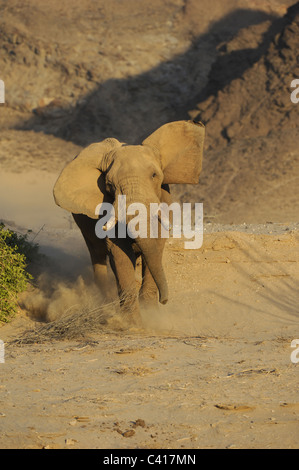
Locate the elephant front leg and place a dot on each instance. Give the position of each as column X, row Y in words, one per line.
column 122, row 261
column 148, row 293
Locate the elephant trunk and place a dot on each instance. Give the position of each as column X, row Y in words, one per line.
column 154, row 263
column 152, row 252
column 150, row 248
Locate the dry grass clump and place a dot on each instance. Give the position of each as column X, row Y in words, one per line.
column 75, row 324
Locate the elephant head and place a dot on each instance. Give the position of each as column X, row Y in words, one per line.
column 103, row 171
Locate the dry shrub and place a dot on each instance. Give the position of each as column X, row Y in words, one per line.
column 67, row 310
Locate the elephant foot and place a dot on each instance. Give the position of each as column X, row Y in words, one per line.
column 148, row 300
column 131, row 318
column 129, row 310
column 126, row 322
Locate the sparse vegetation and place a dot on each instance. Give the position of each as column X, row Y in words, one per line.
column 16, row 252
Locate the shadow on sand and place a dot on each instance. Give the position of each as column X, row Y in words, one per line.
column 130, row 109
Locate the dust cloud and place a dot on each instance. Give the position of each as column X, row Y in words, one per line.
column 53, row 298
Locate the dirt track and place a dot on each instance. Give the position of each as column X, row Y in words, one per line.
column 212, row 370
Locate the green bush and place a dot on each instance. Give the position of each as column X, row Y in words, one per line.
column 15, row 254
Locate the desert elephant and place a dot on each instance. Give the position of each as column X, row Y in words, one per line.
column 105, row 170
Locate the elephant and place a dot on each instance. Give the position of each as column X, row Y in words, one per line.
column 101, row 173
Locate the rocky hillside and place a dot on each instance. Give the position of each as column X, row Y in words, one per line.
column 252, row 158
column 116, row 68
column 256, row 102
column 255, row 124
column 77, row 75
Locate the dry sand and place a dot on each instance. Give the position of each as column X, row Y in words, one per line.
column 212, row 369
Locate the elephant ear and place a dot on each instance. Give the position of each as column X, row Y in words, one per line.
column 180, row 145
column 78, row 188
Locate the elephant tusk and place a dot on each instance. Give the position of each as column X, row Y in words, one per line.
column 165, row 222
column 109, row 224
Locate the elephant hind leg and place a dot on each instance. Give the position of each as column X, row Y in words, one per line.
column 97, row 250
column 99, row 264
column 100, row 275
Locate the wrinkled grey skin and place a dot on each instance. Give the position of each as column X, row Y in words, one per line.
column 102, row 172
